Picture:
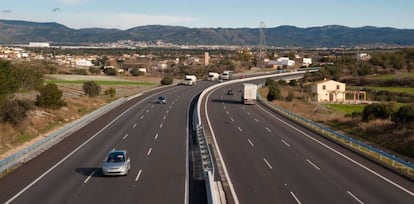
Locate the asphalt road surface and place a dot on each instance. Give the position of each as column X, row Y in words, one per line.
column 270, row 159
column 155, row 136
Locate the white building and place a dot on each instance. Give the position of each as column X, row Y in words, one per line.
column 39, row 44
column 83, row 63
column 307, row 61
column 329, row 91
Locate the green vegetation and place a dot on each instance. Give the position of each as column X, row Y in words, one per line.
column 103, row 82
column 91, row 88
column 409, row 90
column 166, row 81
column 50, row 97
column 346, row 108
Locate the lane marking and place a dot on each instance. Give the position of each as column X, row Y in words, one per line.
column 164, row 117
column 224, row 106
column 147, row 111
column 354, row 197
column 142, row 117
column 134, row 125
column 126, row 135
column 296, row 198
column 169, row 107
column 248, row 113
column 269, row 130
column 231, row 119
column 239, row 129
column 268, row 164
column 152, row 106
column 166, row 112
column 149, row 151
column 89, row 177
column 314, row 165
column 227, row 112
column 139, row 174
column 251, row 143
column 161, row 125
column 287, row 144
column 156, row 136
column 340, row 154
column 256, row 120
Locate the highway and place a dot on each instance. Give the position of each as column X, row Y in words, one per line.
column 269, row 159
column 155, row 136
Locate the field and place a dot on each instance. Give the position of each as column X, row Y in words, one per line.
column 346, row 108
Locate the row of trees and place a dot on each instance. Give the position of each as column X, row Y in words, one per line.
column 400, row 116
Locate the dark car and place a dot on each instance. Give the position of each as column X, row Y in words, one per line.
column 162, row 99
column 230, row 92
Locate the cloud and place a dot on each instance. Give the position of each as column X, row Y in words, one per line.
column 74, row 2
column 122, row 21
column 6, row 11
column 56, row 10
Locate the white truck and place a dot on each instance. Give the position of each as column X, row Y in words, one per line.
column 213, row 76
column 249, row 93
column 190, row 80
column 226, row 75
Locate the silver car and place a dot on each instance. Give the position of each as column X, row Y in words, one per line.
column 116, row 163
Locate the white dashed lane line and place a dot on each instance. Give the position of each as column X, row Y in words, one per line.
column 156, row 136
column 126, row 135
column 149, row 151
column 239, row 129
column 139, row 174
column 142, row 117
column 269, row 130
column 134, row 125
column 284, row 142
column 268, row 164
column 231, row 119
column 314, row 165
column 89, row 177
column 354, row 197
column 250, row 142
column 296, row 198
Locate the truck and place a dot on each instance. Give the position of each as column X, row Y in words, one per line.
column 213, row 76
column 226, row 75
column 249, row 93
column 190, row 80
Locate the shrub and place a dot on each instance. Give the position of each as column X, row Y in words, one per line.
column 136, row 72
column 274, row 93
column 376, row 111
column 94, row 70
column 110, row 92
column 110, row 71
column 80, row 71
column 50, row 97
column 405, row 114
column 91, row 88
column 13, row 111
column 167, row 80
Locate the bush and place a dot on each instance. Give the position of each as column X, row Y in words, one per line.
column 91, row 88
column 405, row 114
column 110, row 92
column 377, row 111
column 80, row 71
column 50, row 97
column 270, row 82
column 94, row 70
column 110, row 71
column 167, row 81
column 293, row 83
column 136, row 72
column 274, row 93
column 14, row 111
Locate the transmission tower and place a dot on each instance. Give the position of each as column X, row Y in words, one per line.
column 262, row 46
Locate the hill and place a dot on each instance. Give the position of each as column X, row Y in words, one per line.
column 12, row 32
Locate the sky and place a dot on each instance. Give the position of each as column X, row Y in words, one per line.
column 125, row 14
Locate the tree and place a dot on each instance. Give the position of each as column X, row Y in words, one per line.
column 50, row 97
column 8, row 81
column 91, row 88
column 377, row 111
column 14, row 111
column 28, row 76
column 274, row 93
column 167, row 80
column 405, row 114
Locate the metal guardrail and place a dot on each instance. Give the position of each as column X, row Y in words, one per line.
column 42, row 145
column 352, row 143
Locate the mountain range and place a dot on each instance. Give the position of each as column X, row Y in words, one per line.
column 23, row 32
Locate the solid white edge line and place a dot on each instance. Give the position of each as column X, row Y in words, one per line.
column 139, row 175
column 296, row 198
column 314, row 165
column 339, row 153
column 230, row 183
column 89, row 177
column 354, row 197
column 268, row 164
